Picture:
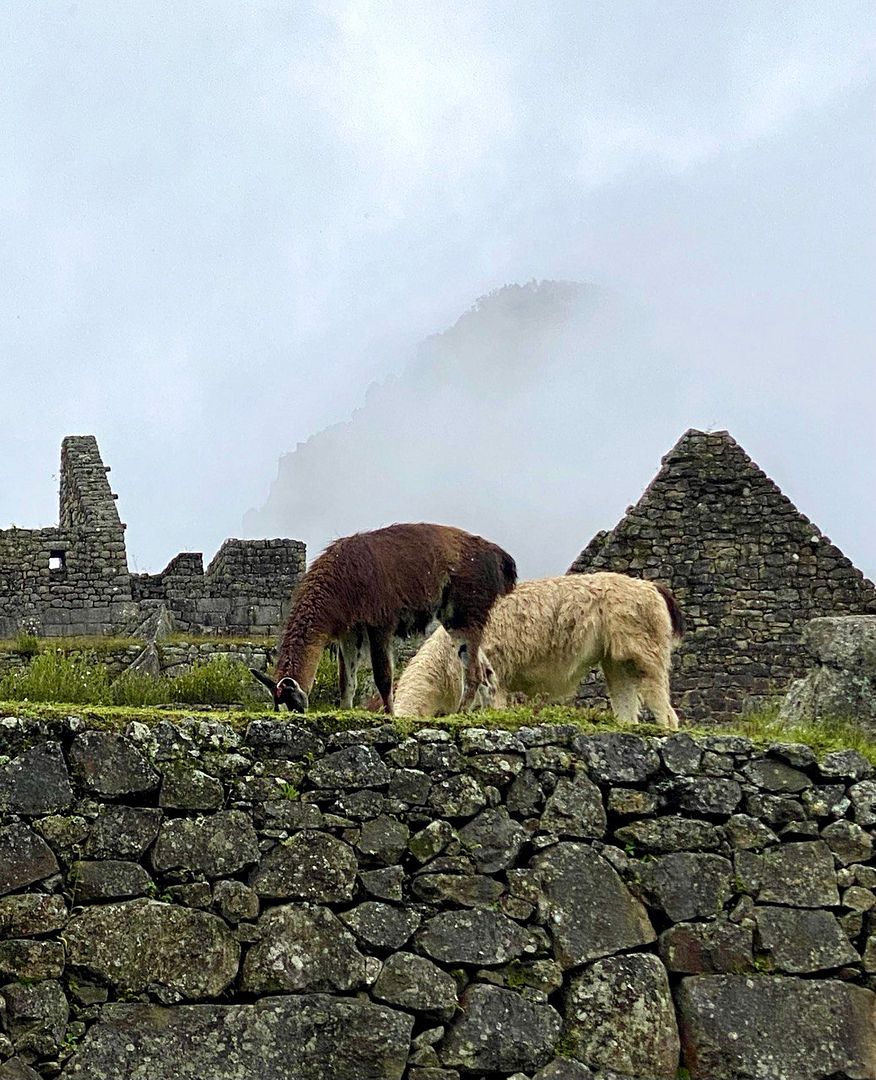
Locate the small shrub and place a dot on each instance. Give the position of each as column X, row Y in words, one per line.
column 27, row 644
column 218, row 681
column 52, row 676
column 137, row 688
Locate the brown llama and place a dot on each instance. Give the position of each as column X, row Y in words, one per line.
column 371, row 587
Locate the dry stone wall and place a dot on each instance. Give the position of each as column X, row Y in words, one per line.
column 748, row 568
column 187, row 900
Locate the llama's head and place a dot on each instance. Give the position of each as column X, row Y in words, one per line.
column 285, row 691
column 486, row 688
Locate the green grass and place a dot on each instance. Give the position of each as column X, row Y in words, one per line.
column 56, row 682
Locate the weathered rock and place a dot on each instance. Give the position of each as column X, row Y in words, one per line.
column 413, row 982
column 773, row 1028
column 35, row 1016
column 235, row 901
column 107, row 879
column 311, row 866
column 122, row 832
column 138, row 943
column 707, row 795
column 386, row 883
column 15, row 1069
column 184, row 787
column 410, row 786
column 718, row 947
column 689, row 885
column 457, row 796
column 797, row 874
column 111, row 765
column 799, row 755
column 352, row 767
column 845, row 765
column 26, row 959
column 616, row 757
column 384, row 838
column 469, row 890
column 214, row 845
column 302, row 947
column 529, row 1032
column 312, row 1037
column 747, row 833
column 24, row 857
column 826, row 800
column 846, row 642
column 801, row 941
column 431, row 841
column 588, row 910
column 525, row 795
column 670, row 834
column 36, row 782
column 776, row 776
column 619, row 1016
column 575, row 808
column 848, row 842
column 631, row 802
column 681, row 754
column 564, row 1068
column 863, row 797
column 30, row 914
column 475, row 936
column 493, row 839
column 381, row 925
column 267, row 738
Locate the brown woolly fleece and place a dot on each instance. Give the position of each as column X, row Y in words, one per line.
column 390, row 583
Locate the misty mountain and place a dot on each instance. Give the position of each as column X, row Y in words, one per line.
column 518, row 423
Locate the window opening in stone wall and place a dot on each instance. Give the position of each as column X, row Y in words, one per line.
column 57, row 560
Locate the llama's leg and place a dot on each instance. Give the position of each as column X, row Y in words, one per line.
column 623, row 690
column 655, row 694
column 348, row 666
column 380, row 641
column 473, row 665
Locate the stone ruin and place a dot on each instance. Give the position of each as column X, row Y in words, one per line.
column 749, row 570
column 73, row 579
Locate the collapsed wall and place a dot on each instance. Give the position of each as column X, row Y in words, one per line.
column 749, row 570
column 186, row 901
column 74, row 580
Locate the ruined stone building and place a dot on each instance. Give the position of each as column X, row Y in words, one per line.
column 747, row 567
column 74, row 578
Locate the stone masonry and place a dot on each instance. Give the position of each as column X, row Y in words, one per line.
column 74, row 579
column 748, row 568
column 188, row 900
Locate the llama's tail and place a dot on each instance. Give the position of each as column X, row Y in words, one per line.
column 676, row 616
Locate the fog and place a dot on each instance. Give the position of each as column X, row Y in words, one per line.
column 222, row 224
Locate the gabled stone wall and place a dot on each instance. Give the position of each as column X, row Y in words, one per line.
column 187, row 901
column 747, row 567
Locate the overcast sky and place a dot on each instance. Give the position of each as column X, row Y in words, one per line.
column 221, row 222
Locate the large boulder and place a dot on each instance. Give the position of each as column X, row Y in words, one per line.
column 309, row 1037
column 620, row 1016
column 774, row 1028
column 302, row 947
column 587, row 909
column 142, row 943
column 843, row 681
column 500, row 1031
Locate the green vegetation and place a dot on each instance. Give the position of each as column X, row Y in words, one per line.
column 30, row 644
column 79, row 679
column 57, row 678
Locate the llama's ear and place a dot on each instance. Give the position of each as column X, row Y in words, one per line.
column 462, row 651
column 265, row 680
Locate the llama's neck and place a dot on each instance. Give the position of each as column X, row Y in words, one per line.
column 300, row 651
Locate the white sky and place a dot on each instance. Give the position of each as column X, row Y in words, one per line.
column 221, row 222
